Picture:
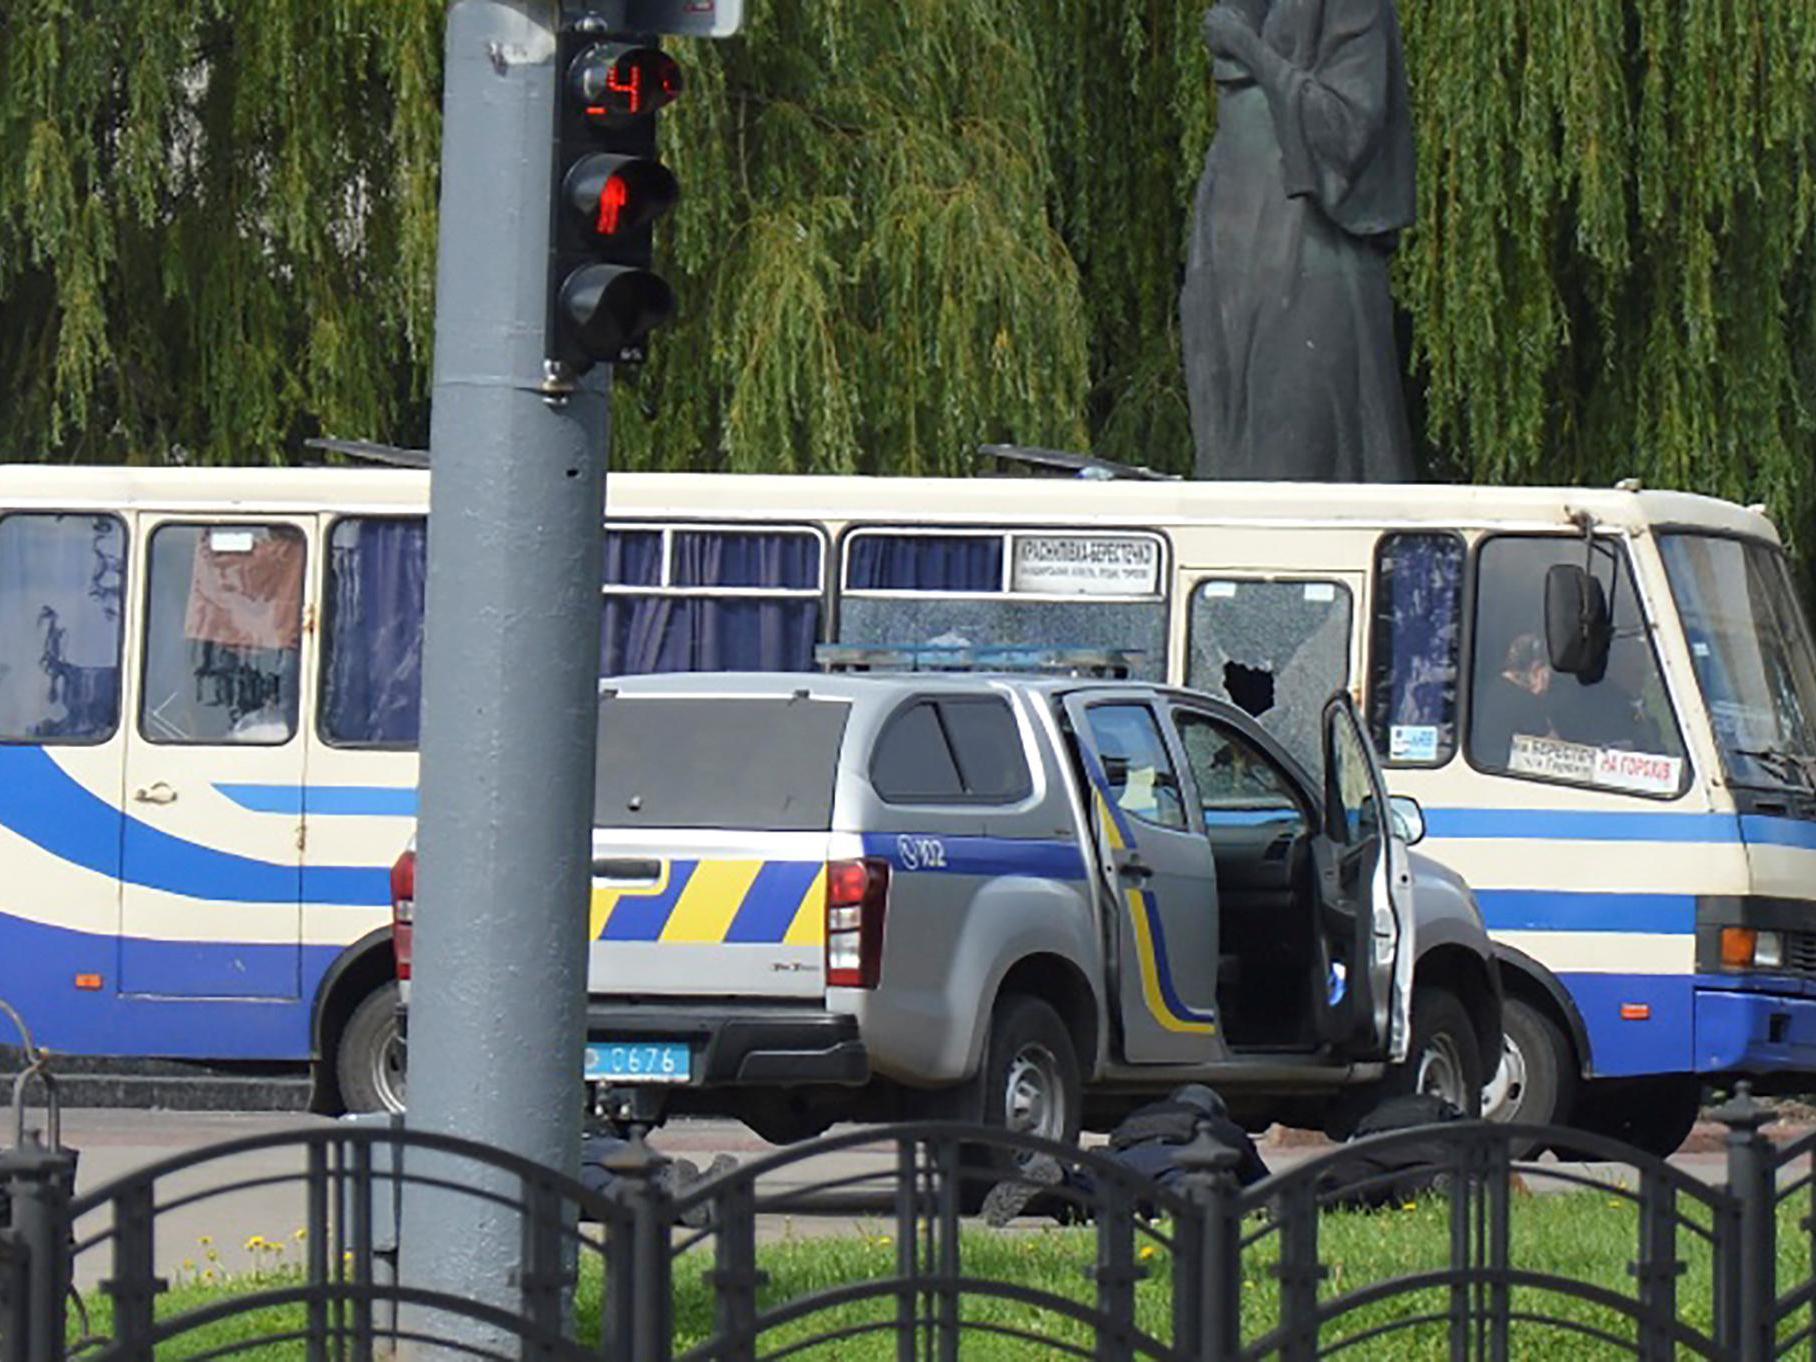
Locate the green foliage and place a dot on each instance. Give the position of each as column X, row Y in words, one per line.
column 912, row 227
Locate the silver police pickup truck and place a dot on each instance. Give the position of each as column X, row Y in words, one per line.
column 1031, row 900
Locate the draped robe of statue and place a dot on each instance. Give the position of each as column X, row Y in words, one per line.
column 1291, row 363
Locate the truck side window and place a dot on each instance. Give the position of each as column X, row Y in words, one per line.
column 1416, row 649
column 1616, row 731
column 62, row 585
column 951, row 752
column 1140, row 773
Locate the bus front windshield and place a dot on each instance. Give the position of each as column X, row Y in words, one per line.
column 1750, row 645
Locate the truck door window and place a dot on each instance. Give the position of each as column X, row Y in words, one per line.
column 223, row 629
column 1275, row 650
column 1136, row 765
column 62, row 586
column 1416, row 648
column 1616, row 731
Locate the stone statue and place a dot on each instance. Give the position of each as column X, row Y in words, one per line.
column 1290, row 358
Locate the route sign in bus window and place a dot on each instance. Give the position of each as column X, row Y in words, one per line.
column 907, row 586
column 62, row 584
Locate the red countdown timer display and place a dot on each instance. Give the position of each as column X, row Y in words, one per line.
column 615, row 82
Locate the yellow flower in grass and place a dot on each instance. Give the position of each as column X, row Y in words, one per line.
column 1148, row 1251
column 300, row 1235
column 205, row 1240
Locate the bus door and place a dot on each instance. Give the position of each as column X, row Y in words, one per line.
column 1273, row 645
column 211, row 858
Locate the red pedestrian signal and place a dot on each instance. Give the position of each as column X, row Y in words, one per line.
column 610, row 190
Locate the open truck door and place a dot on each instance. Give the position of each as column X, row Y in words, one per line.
column 1153, row 854
column 1365, row 941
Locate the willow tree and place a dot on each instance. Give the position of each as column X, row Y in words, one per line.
column 913, row 226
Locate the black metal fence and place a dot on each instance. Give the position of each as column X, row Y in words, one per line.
column 1199, row 1269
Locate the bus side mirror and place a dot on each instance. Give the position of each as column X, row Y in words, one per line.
column 1578, row 632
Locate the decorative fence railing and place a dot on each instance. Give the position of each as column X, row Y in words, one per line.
column 1202, row 1269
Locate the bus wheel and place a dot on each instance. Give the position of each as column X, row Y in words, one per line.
column 1536, row 1081
column 370, row 1063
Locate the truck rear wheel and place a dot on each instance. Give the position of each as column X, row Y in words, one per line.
column 369, row 1064
column 1030, row 1074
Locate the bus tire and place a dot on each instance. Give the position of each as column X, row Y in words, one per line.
column 369, row 1063
column 1536, row 1084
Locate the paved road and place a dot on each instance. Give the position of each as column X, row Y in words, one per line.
column 223, row 1231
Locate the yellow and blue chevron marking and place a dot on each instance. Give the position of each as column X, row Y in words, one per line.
column 735, row 902
column 1157, row 989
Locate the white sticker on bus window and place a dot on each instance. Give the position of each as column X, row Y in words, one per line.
column 1641, row 772
column 1219, row 589
column 1412, row 742
column 231, row 541
column 1086, row 565
column 1320, row 591
column 1552, row 759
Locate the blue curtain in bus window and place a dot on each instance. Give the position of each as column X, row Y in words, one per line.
column 1416, row 647
column 716, row 633
column 372, row 687
column 62, row 581
column 633, row 558
column 925, row 562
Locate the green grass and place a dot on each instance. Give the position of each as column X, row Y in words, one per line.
column 1590, row 1236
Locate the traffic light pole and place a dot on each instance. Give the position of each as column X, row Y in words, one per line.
column 510, row 668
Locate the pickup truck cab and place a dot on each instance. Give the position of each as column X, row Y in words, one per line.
column 1034, row 900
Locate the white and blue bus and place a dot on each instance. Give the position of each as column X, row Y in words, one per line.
column 209, row 688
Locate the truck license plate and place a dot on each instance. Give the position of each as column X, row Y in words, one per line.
column 647, row 1061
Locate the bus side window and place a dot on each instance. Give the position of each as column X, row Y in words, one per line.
column 223, row 634
column 685, row 599
column 1614, row 731
column 1276, row 649
column 1415, row 654
column 62, row 591
column 372, row 634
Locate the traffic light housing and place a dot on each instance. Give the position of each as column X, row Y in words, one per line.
column 609, row 191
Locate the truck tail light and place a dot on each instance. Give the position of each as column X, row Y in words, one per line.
column 857, row 897
column 403, row 911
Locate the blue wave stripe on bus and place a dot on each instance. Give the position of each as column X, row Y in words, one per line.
column 45, row 805
column 1780, row 832
column 37, row 975
column 334, row 801
column 1546, row 910
column 1557, row 825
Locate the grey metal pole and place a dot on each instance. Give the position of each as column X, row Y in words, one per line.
column 510, row 668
